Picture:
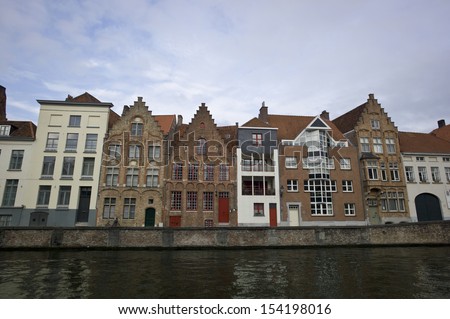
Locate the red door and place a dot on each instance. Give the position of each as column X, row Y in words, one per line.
column 224, row 210
column 174, row 221
column 273, row 215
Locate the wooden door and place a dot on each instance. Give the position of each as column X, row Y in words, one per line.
column 273, row 215
column 224, row 210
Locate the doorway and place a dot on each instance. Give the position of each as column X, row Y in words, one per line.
column 428, row 207
column 150, row 214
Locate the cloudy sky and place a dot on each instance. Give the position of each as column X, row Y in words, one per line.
column 299, row 56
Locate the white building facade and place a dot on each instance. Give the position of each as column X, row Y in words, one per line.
column 67, row 157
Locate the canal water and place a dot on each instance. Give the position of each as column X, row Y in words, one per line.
column 395, row 272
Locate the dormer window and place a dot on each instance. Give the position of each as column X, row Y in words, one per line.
column 375, row 124
column 257, row 139
column 4, row 130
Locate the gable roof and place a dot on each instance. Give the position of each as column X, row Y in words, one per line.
column 442, row 132
column 290, row 126
column 166, row 122
column 256, row 122
column 347, row 122
column 422, row 143
column 83, row 98
column 20, row 129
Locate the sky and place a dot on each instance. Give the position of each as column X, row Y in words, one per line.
column 298, row 56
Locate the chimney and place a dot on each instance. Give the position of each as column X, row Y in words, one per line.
column 2, row 103
column 371, row 96
column 441, row 123
column 263, row 113
column 325, row 115
column 180, row 120
column 126, row 108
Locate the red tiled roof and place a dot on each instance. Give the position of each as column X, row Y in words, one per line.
column 165, row 122
column 290, row 126
column 442, row 132
column 347, row 122
column 422, row 143
column 255, row 122
column 21, row 128
column 83, row 98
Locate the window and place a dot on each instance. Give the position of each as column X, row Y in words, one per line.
column 349, row 209
column 420, row 159
column 383, row 171
column 191, row 201
column 392, row 201
column 257, row 139
column 258, row 209
column 4, row 130
column 292, row 185
column 5, row 220
column 129, row 208
column 193, row 172
column 64, row 196
column 208, row 200
column 109, row 208
column 134, row 152
column 395, row 175
column 177, row 173
column 446, row 159
column 435, row 174
column 375, row 124
column 71, row 142
column 9, row 195
column 390, row 143
column 347, row 186
column 423, row 178
column 48, row 166
column 152, row 177
column 132, row 177
column 209, row 222
column 91, row 143
column 345, row 163
column 68, row 167
column 136, row 129
column 154, row 152
column 224, row 172
column 115, row 151
column 175, row 200
column 320, row 196
column 112, row 176
column 377, row 145
column 409, row 174
column 201, row 146
column 372, row 170
column 52, row 142
column 208, row 172
column 447, row 174
column 291, row 162
column 365, row 146
column 88, row 167
column 75, row 120
column 16, row 160
column 43, row 195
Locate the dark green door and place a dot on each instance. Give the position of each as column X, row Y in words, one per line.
column 150, row 217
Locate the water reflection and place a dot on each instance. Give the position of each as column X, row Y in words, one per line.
column 414, row 272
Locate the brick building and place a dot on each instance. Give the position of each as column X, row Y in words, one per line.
column 372, row 131
column 133, row 168
column 199, row 190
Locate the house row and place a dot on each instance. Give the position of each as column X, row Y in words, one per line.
column 85, row 165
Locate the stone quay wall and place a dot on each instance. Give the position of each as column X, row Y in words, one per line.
column 428, row 233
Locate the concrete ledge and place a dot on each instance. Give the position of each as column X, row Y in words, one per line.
column 429, row 233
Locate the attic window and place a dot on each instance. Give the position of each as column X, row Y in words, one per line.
column 202, row 125
column 4, row 130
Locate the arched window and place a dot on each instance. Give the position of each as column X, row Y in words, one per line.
column 201, row 146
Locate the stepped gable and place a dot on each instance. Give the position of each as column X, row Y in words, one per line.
column 203, row 125
column 411, row 142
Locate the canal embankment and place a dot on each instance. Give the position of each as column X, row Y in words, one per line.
column 427, row 233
